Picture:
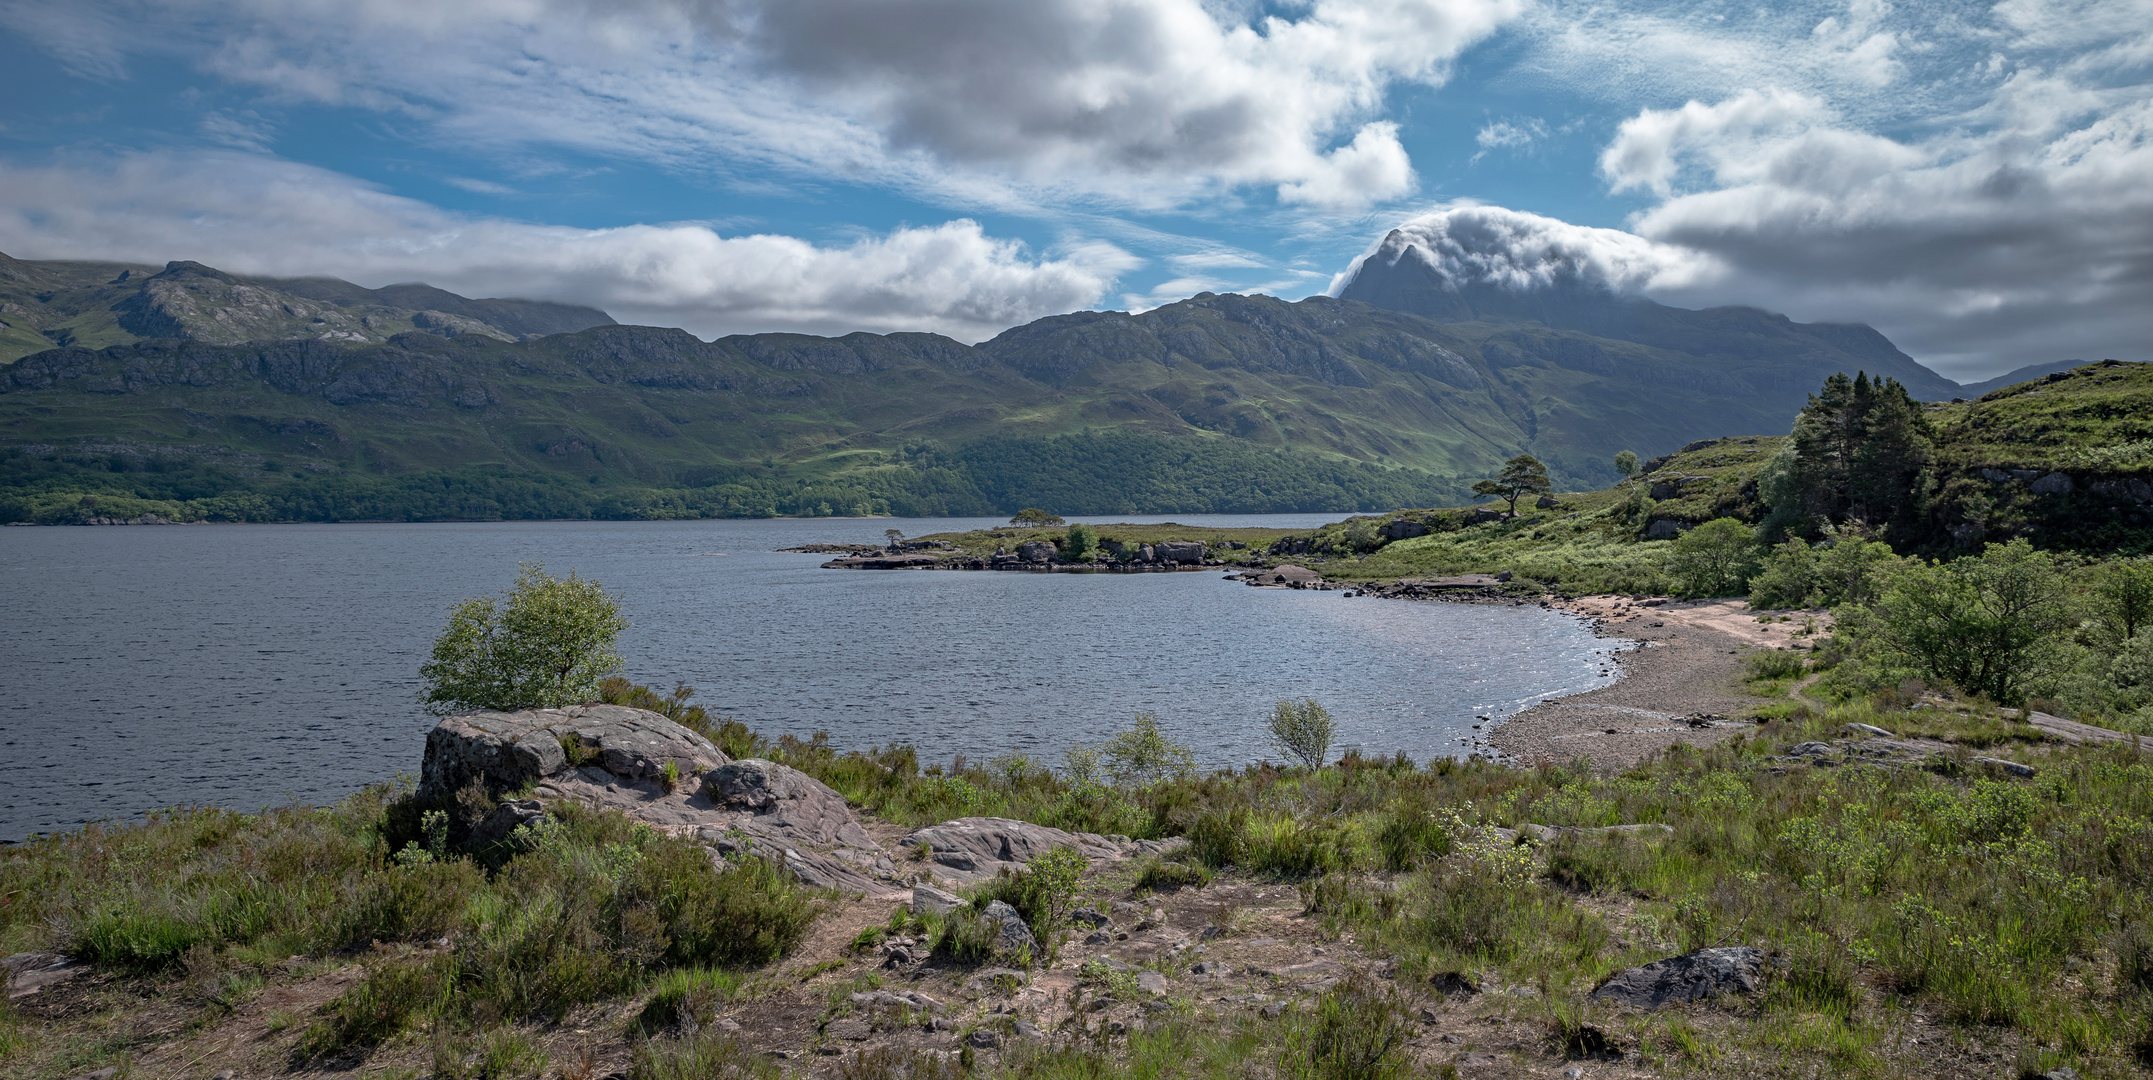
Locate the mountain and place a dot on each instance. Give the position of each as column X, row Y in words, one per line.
column 315, row 398
column 1774, row 356
column 94, row 304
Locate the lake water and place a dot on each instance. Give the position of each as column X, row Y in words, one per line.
column 244, row 665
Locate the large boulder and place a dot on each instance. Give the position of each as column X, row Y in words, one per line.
column 1402, row 529
column 1012, row 937
column 614, row 758
column 1697, row 976
column 1037, row 551
column 975, row 849
column 1180, row 551
column 509, row 751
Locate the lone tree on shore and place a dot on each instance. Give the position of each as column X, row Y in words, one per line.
column 1626, row 463
column 548, row 643
column 1522, row 475
column 1302, row 729
column 1032, row 515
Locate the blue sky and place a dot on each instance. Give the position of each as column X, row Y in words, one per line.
column 1975, row 181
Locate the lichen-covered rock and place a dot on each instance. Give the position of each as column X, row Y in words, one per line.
column 783, row 803
column 1696, row 976
column 613, row 758
column 1012, row 937
column 508, row 751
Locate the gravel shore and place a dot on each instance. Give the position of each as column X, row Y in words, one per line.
column 1682, row 684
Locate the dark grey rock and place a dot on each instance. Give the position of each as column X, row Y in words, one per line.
column 1013, row 937
column 984, row 1039
column 506, row 819
column 508, row 751
column 1696, row 976
column 1180, row 551
column 896, row 999
column 28, row 973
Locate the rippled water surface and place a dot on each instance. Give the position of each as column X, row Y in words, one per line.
column 246, row 665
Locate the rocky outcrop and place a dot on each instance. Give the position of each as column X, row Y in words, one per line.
column 1012, row 938
column 615, row 758
column 1697, row 976
column 508, row 751
column 975, row 849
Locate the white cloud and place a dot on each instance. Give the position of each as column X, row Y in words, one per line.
column 256, row 215
column 1150, row 103
column 1472, row 244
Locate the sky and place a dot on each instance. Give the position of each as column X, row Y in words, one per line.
column 1974, row 180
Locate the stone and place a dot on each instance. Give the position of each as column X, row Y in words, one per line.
column 621, row 763
column 1868, row 729
column 506, row 819
column 1028, row 1030
column 1402, row 529
column 1547, row 502
column 1313, row 969
column 785, row 803
column 2055, row 483
column 1012, row 936
column 2062, row 1073
column 507, row 751
column 1695, row 976
column 928, row 900
column 896, row 999
column 1151, row 982
column 1812, row 750
column 2014, row 768
column 976, row 849
column 29, row 973
column 984, row 1039
column 1098, row 937
column 1180, row 551
column 1089, row 917
column 1665, row 529
column 1273, row 1011
column 1454, row 984
column 850, row 1029
column 1036, row 551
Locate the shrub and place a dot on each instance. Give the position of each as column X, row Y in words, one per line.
column 1773, row 664
column 393, row 994
column 683, row 999
column 752, row 913
column 1080, row 543
column 705, row 1055
column 408, row 902
column 1303, row 730
column 1716, row 558
column 1141, row 754
column 1359, row 1032
column 1161, row 875
column 1985, row 624
column 1409, row 834
column 547, row 644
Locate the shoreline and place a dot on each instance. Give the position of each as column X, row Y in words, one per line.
column 1680, row 683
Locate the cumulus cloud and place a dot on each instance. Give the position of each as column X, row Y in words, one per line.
column 255, row 215
column 1137, row 102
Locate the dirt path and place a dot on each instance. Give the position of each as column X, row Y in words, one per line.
column 1681, row 685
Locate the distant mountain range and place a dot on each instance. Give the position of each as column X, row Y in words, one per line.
column 1402, row 391
column 98, row 304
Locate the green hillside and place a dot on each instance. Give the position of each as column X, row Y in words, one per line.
column 314, row 398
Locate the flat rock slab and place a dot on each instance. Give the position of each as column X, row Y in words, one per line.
column 28, row 973
column 975, row 849
column 1697, row 976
